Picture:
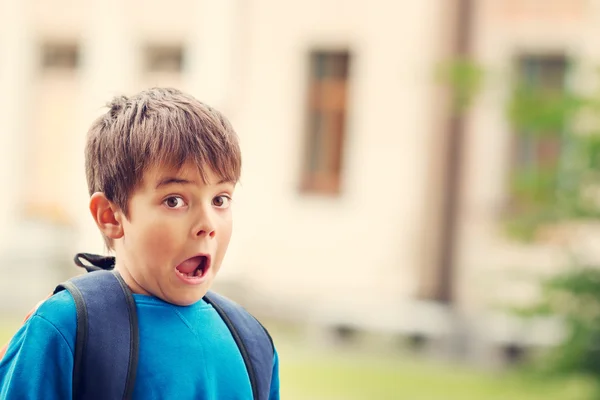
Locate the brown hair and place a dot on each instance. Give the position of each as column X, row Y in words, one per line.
column 158, row 126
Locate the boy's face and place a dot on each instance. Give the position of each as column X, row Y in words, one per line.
column 176, row 235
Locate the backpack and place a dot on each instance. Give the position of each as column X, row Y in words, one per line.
column 107, row 319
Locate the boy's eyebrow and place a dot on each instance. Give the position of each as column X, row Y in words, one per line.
column 173, row 180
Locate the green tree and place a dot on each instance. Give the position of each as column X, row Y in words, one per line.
column 555, row 181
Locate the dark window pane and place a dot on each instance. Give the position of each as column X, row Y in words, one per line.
column 164, row 59
column 316, row 133
column 326, row 121
column 338, row 66
column 543, row 72
column 319, row 61
column 537, row 148
column 60, row 56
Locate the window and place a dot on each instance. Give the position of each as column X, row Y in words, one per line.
column 327, row 109
column 163, row 59
column 539, row 120
column 162, row 65
column 55, row 101
column 59, row 56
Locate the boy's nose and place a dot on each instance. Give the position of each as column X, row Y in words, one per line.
column 203, row 232
column 205, row 227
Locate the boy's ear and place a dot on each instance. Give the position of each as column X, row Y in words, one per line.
column 107, row 216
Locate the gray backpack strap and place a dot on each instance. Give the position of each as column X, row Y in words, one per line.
column 253, row 340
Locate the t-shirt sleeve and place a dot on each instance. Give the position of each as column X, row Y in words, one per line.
column 274, row 393
column 38, row 363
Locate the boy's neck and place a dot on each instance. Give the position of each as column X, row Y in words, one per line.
column 129, row 280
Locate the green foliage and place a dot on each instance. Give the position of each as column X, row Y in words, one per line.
column 559, row 177
column 565, row 190
column 575, row 297
column 464, row 78
column 552, row 185
column 559, row 187
column 541, row 112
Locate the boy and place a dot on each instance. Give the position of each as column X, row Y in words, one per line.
column 161, row 170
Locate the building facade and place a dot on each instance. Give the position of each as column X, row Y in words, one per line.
column 344, row 133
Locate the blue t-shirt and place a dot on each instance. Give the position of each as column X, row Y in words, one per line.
column 184, row 353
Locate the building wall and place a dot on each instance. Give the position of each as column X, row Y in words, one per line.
column 368, row 247
column 363, row 248
column 249, row 59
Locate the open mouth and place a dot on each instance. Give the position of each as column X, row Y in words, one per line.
column 195, row 267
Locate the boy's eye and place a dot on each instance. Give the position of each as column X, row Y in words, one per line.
column 174, row 202
column 221, row 201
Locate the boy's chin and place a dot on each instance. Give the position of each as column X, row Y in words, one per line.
column 188, row 299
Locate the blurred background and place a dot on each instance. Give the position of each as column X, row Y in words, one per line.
column 418, row 211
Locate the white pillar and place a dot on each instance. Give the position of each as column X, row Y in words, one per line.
column 16, row 68
column 211, row 52
column 108, row 69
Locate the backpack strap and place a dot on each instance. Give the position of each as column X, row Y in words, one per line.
column 252, row 339
column 105, row 306
column 94, row 262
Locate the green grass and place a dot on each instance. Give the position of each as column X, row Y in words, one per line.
column 317, row 373
column 320, row 375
